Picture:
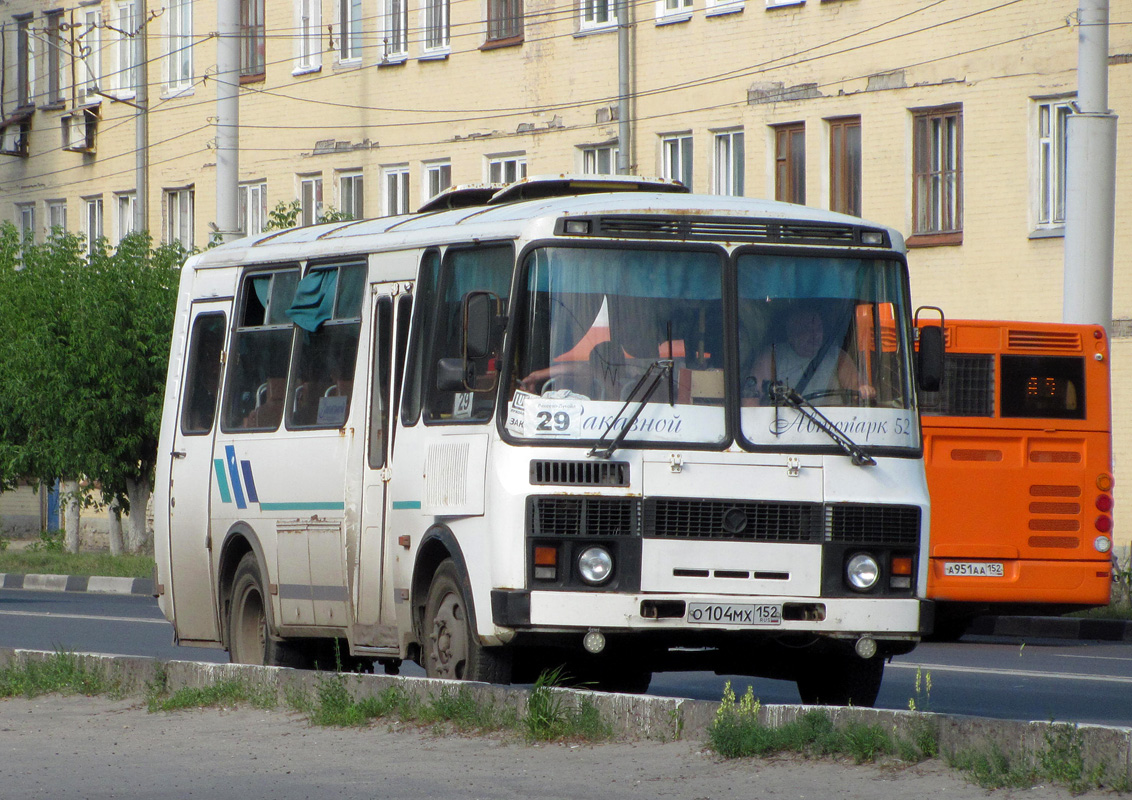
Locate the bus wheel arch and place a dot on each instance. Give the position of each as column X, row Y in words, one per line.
column 238, row 542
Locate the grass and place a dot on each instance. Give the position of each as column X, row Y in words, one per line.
column 62, row 673
column 43, row 557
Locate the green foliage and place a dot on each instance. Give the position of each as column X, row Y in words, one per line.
column 225, row 693
column 288, row 215
column 48, row 542
column 551, row 717
column 39, row 560
column 83, row 362
column 62, row 673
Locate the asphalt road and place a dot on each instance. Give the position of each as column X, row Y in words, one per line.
column 1077, row 681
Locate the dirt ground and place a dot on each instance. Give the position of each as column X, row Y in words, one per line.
column 89, row 749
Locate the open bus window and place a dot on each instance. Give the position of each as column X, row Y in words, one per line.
column 327, row 310
column 255, row 391
column 202, row 378
column 1043, row 386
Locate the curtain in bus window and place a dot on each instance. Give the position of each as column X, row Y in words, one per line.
column 314, row 299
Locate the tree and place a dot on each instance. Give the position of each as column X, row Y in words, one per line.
column 84, row 344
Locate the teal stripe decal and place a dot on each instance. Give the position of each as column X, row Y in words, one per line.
column 222, row 480
column 302, row 506
column 406, row 505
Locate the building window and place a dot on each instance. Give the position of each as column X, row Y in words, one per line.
column 252, row 211
column 252, row 39
column 723, row 6
column 308, row 45
column 89, row 54
column 506, row 169
column 180, row 58
column 310, row 199
column 676, row 158
column 435, row 25
column 845, row 165
column 395, row 26
column 127, row 203
column 26, row 212
column 92, row 223
column 1053, row 119
column 599, row 160
column 790, row 163
column 179, row 216
column 351, row 195
column 438, row 177
column 937, row 158
column 350, row 26
column 598, row 14
column 126, row 50
column 504, row 19
column 56, row 215
column 729, row 159
column 54, row 58
column 25, row 62
column 396, row 199
column 666, row 10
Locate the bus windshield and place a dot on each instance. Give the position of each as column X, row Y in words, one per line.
column 593, row 320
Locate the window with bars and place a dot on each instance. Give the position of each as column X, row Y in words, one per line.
column 504, row 19
column 845, row 165
column 729, row 158
column 252, row 40
column 790, row 163
column 937, row 180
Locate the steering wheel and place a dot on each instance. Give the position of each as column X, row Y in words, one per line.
column 851, row 397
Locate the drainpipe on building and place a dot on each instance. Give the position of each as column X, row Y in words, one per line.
column 1090, row 196
column 227, row 120
column 623, row 126
column 141, row 122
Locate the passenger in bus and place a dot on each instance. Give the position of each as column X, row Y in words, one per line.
column 809, row 361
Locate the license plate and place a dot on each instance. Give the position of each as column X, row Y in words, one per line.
column 976, row 569
column 734, row 614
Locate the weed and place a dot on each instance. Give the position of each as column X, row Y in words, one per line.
column 62, row 673
column 993, row 769
column 223, row 693
column 1063, row 760
column 923, row 688
column 546, row 708
column 49, row 542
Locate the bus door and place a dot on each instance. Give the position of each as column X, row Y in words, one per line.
column 391, row 304
column 190, row 474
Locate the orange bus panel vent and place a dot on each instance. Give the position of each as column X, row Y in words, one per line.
column 1069, row 341
column 976, row 455
column 1055, row 457
column 1055, row 491
column 1053, row 525
column 1055, row 542
column 1055, row 508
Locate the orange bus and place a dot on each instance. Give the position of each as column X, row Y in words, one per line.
column 1018, row 448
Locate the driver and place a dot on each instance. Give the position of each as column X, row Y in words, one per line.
column 806, row 362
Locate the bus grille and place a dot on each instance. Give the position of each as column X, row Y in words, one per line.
column 583, row 516
column 868, row 524
column 736, row 229
column 580, row 473
column 967, row 389
column 742, row 520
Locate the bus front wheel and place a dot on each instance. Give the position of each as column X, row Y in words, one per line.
column 249, row 637
column 451, row 647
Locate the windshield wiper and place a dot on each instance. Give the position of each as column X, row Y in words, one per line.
column 780, row 391
column 657, row 369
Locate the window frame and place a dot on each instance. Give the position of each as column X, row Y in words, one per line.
column 349, row 31
column 25, row 213
column 25, row 62
column 729, row 153
column 505, row 22
column 395, row 31
column 845, row 165
column 252, row 194
column 591, row 157
column 790, row 162
column 90, row 64
column 351, row 193
column 310, row 213
column 1051, row 160
column 308, row 39
column 53, row 209
column 179, row 56
column 436, row 28
column 253, row 41
column 94, row 221
column 395, row 190
column 125, row 49
column 178, row 207
column 588, row 13
column 125, row 221
column 668, row 11
column 937, row 213
column 432, row 169
column 677, row 157
column 53, row 56
column 497, row 167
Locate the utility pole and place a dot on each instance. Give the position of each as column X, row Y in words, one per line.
column 227, row 119
column 1090, row 196
column 623, row 108
column 141, row 120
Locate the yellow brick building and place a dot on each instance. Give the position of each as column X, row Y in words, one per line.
column 371, row 106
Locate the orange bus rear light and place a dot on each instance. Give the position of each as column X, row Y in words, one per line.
column 546, row 556
column 1104, row 503
column 1104, row 482
column 1103, row 524
column 902, row 566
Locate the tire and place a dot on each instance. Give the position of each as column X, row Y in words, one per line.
column 451, row 648
column 845, row 680
column 249, row 634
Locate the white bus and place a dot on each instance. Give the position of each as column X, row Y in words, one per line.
column 577, row 423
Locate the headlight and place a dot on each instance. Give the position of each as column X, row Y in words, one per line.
column 595, row 565
column 862, row 571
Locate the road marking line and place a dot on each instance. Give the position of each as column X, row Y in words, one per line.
column 1013, row 673
column 1095, row 658
column 81, row 616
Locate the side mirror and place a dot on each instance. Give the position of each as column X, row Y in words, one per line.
column 479, row 324
column 455, row 375
column 929, row 352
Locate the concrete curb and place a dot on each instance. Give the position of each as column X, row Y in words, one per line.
column 77, row 583
column 634, row 717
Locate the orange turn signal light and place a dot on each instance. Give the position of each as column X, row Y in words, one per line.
column 902, row 566
column 546, row 556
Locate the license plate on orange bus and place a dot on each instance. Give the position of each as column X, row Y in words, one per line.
column 973, row 569
column 734, row 614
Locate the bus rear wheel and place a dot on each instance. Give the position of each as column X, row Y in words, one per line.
column 451, row 647
column 848, row 680
column 249, row 635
